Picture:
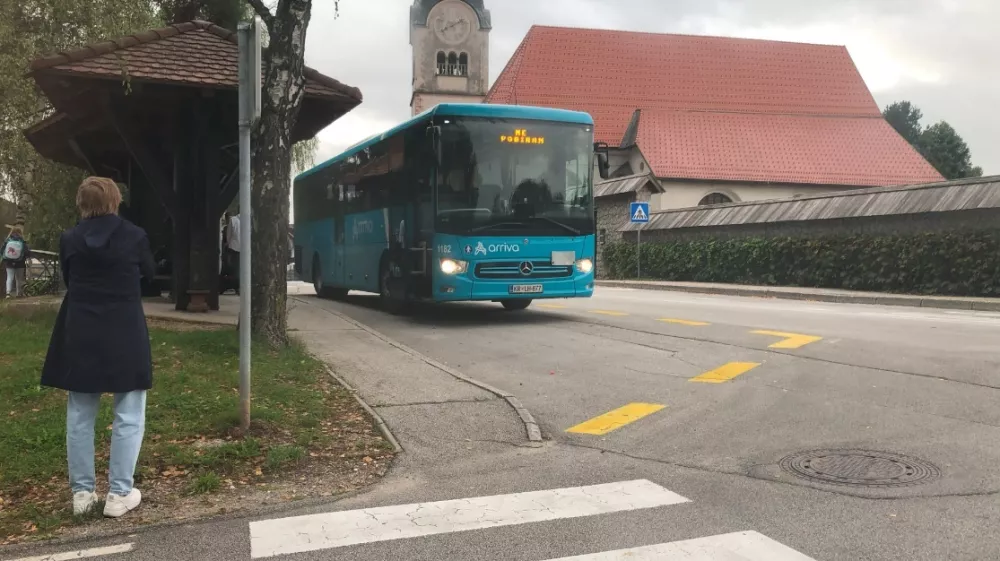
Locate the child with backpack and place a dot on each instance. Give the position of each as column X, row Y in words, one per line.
column 15, row 259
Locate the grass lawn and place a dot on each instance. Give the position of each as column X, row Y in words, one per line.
column 303, row 422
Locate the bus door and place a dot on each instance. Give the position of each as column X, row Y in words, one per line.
column 338, row 266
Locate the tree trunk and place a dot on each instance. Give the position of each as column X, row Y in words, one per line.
column 24, row 199
column 272, row 167
column 269, row 251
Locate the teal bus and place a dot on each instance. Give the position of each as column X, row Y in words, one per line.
column 464, row 202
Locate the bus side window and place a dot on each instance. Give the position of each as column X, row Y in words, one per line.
column 418, row 179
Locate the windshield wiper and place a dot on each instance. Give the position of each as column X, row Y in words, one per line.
column 566, row 227
column 496, row 225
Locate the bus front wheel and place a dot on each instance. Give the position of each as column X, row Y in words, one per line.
column 515, row 305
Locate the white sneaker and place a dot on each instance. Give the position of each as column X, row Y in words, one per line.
column 118, row 505
column 83, row 502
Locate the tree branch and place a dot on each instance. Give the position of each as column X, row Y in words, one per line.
column 262, row 11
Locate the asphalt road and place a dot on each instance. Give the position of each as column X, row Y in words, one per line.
column 619, row 386
column 917, row 382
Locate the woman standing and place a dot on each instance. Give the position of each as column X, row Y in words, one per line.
column 100, row 343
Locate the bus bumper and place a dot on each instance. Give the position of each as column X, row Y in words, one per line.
column 455, row 289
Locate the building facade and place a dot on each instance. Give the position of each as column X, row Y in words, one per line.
column 451, row 50
column 716, row 119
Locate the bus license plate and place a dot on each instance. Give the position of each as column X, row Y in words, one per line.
column 525, row 289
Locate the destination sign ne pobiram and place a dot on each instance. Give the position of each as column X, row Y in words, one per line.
column 521, row 136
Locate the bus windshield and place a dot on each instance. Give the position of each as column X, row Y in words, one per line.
column 504, row 177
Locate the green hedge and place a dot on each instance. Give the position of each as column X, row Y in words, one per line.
column 959, row 263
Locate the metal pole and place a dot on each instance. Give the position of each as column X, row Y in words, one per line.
column 246, row 228
column 638, row 254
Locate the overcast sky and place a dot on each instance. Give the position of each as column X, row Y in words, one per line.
column 943, row 55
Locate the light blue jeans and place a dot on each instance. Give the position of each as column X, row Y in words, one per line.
column 15, row 282
column 126, row 439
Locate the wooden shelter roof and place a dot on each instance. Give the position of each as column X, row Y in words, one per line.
column 196, row 56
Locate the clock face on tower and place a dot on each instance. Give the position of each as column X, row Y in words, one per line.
column 452, row 24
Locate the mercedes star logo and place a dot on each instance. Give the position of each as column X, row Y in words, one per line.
column 526, row 268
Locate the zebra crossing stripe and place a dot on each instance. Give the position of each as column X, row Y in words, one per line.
column 299, row 534
column 738, row 546
column 81, row 554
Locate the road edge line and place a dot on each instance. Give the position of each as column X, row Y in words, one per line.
column 886, row 299
column 531, row 428
column 382, row 426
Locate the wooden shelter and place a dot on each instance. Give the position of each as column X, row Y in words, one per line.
column 157, row 111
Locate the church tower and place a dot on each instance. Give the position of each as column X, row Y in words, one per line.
column 451, row 51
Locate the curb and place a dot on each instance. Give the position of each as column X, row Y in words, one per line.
column 208, row 320
column 530, row 425
column 382, row 427
column 129, row 530
column 981, row 305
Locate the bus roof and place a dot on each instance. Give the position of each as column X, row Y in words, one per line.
column 485, row 110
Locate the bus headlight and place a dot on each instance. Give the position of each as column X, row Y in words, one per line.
column 584, row 265
column 454, row 266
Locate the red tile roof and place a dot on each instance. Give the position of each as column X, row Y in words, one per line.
column 195, row 53
column 716, row 107
column 779, row 148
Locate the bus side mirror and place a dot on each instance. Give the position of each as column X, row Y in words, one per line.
column 603, row 167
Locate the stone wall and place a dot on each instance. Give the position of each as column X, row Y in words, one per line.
column 612, row 215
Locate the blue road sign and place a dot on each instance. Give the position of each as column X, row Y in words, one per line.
column 639, row 212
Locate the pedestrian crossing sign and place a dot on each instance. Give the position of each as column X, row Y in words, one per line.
column 639, row 212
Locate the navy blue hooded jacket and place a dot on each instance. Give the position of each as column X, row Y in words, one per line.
column 100, row 343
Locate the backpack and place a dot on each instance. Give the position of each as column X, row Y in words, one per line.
column 13, row 250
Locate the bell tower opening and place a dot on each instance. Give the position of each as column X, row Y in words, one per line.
column 450, row 40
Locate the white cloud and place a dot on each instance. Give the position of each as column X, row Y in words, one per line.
column 351, row 129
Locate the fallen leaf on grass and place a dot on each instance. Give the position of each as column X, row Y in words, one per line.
column 258, row 472
column 367, row 459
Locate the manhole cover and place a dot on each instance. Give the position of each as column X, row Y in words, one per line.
column 862, row 468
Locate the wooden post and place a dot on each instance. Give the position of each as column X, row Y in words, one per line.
column 211, row 158
column 182, row 223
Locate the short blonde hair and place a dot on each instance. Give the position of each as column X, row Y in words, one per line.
column 17, row 229
column 98, row 196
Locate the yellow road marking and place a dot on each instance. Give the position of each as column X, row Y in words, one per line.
column 552, row 306
column 725, row 372
column 685, row 322
column 789, row 340
column 608, row 313
column 616, row 419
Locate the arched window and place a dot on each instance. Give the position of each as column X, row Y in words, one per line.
column 442, row 63
column 463, row 64
column 715, row 199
